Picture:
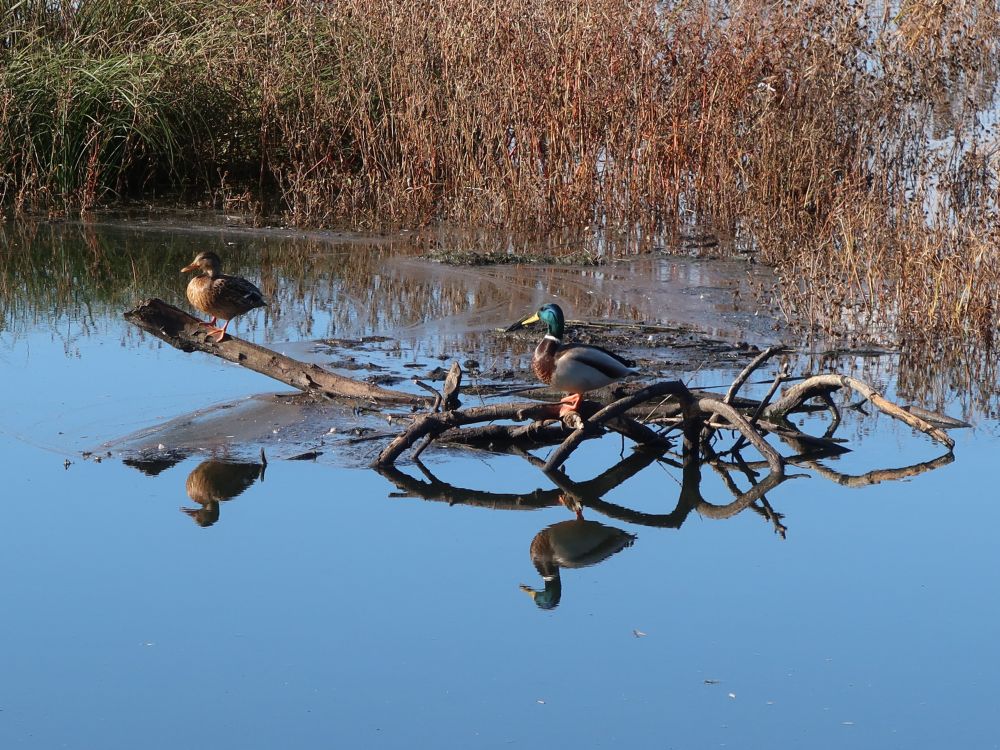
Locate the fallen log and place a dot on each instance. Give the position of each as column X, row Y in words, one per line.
column 185, row 332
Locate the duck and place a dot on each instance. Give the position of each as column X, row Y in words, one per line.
column 571, row 368
column 218, row 294
column 213, row 482
column 570, row 544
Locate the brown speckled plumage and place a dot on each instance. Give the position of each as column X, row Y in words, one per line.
column 543, row 362
column 213, row 482
column 220, row 295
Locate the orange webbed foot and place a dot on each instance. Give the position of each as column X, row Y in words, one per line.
column 569, row 404
column 219, row 333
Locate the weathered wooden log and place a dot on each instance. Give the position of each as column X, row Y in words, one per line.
column 506, row 435
column 185, row 332
column 435, row 424
column 450, row 427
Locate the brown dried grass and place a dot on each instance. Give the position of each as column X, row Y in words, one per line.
column 836, row 139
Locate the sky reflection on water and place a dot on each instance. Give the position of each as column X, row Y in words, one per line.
column 321, row 608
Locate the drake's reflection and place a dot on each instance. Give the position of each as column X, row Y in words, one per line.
column 571, row 544
column 213, row 482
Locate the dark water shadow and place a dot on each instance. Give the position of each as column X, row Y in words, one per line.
column 589, row 494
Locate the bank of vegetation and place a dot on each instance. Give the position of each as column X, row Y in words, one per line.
column 845, row 142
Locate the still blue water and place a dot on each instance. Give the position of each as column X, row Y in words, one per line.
column 321, row 611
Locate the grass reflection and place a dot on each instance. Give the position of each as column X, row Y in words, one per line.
column 336, row 285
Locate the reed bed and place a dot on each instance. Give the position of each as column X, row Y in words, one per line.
column 847, row 143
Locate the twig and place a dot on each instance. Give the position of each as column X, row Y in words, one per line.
column 748, row 371
column 675, row 387
column 422, row 447
column 779, row 378
column 773, row 516
column 452, row 383
column 436, row 406
column 834, row 411
column 740, row 423
column 878, row 475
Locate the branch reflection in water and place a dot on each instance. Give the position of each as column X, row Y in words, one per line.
column 583, row 542
column 577, row 542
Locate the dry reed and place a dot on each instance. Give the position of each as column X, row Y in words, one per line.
column 841, row 141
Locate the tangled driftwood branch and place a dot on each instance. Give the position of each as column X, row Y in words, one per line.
column 826, row 384
column 666, row 405
column 699, row 415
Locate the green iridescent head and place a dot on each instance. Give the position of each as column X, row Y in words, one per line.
column 548, row 598
column 550, row 314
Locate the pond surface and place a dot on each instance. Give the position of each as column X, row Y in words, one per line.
column 323, row 604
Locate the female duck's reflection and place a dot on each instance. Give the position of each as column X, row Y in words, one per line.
column 213, row 481
column 571, row 544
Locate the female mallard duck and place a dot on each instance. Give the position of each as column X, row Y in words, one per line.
column 573, row 368
column 219, row 295
column 213, row 482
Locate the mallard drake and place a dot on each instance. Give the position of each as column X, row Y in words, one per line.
column 571, row 544
column 219, row 295
column 213, row 482
column 573, row 368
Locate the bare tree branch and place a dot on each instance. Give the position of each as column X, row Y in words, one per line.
column 819, row 384
column 756, row 362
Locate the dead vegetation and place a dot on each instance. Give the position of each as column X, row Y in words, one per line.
column 848, row 143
